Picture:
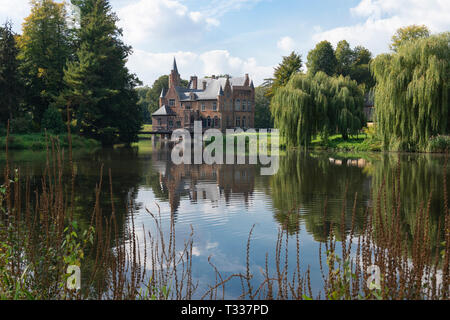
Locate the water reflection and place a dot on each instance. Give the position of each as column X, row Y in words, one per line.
column 223, row 202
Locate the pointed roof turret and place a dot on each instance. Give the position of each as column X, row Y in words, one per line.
column 175, row 68
column 163, row 93
column 220, row 93
column 252, row 85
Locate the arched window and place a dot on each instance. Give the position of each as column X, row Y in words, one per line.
column 204, row 123
column 238, row 122
column 209, row 122
column 243, row 122
column 244, row 105
column 216, row 122
column 238, row 105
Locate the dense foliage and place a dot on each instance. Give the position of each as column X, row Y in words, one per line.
column 290, row 65
column 263, row 117
column 408, row 33
column 10, row 84
column 318, row 104
column 45, row 46
column 73, row 60
column 412, row 93
column 100, row 87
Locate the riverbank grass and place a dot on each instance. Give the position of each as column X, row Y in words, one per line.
column 361, row 142
column 38, row 141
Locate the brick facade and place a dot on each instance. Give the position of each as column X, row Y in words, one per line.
column 219, row 102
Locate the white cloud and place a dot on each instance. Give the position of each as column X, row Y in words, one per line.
column 149, row 66
column 286, row 44
column 384, row 17
column 15, row 11
column 145, row 21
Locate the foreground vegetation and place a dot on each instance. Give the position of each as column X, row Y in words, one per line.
column 40, row 237
column 39, row 141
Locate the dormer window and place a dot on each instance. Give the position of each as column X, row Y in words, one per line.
column 172, row 102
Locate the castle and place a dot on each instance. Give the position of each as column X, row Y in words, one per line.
column 219, row 102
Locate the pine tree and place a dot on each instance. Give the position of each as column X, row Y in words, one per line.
column 412, row 93
column 101, row 91
column 10, row 84
column 290, row 65
column 44, row 49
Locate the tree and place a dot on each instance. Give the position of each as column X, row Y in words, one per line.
column 322, row 58
column 289, row 66
column 412, row 93
column 10, row 84
column 44, row 49
column 263, row 117
column 318, row 104
column 354, row 63
column 345, row 57
column 409, row 33
column 101, row 91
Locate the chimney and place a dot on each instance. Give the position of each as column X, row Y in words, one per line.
column 194, row 82
column 204, row 84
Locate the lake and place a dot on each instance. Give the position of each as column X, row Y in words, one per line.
column 222, row 203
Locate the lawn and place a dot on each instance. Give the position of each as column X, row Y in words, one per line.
column 38, row 141
column 361, row 142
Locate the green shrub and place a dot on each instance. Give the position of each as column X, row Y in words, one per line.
column 52, row 121
column 22, row 125
column 440, row 143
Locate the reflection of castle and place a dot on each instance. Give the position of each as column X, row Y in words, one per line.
column 203, row 182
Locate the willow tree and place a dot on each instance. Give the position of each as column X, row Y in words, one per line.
column 316, row 104
column 412, row 93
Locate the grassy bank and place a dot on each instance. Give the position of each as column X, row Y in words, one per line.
column 38, row 141
column 358, row 143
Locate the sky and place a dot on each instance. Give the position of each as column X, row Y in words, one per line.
column 212, row 37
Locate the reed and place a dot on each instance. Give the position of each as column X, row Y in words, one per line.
column 40, row 238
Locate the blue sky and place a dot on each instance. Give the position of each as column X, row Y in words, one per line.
column 251, row 36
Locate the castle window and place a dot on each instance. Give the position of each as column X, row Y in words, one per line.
column 214, row 106
column 203, row 107
column 170, row 123
column 249, row 106
column 238, row 122
column 244, row 105
column 216, row 122
column 188, row 107
column 159, row 121
column 178, row 124
column 238, row 105
column 209, row 122
column 171, row 102
column 243, row 122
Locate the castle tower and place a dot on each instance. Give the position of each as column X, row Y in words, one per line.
column 174, row 77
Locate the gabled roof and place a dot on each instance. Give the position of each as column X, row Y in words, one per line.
column 164, row 111
column 214, row 87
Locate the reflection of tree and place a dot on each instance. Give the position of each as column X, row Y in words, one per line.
column 305, row 181
column 418, row 177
